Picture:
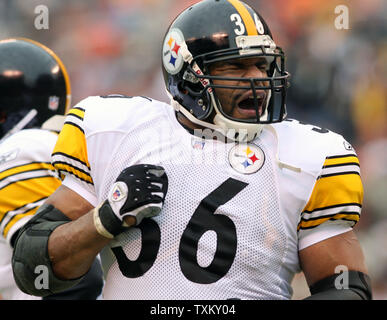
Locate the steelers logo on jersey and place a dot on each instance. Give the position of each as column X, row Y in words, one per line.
column 246, row 158
column 172, row 58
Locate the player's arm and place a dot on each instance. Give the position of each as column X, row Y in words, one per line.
column 327, row 242
column 73, row 246
column 335, row 269
column 68, row 247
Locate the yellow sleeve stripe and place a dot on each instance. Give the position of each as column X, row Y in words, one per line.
column 77, row 112
column 341, row 160
column 246, row 17
column 72, row 142
column 334, row 190
column 16, row 218
column 33, row 166
column 20, row 193
column 312, row 223
column 79, row 173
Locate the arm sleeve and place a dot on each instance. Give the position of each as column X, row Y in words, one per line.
column 70, row 155
column 335, row 203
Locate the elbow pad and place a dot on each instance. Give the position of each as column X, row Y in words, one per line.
column 31, row 264
column 356, row 287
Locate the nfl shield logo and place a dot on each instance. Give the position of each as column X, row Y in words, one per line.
column 53, row 103
column 118, row 191
column 116, row 194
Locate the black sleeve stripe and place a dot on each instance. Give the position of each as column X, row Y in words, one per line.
column 23, row 172
column 332, row 215
column 341, row 164
column 73, row 174
column 342, row 156
column 25, row 164
column 72, row 166
column 78, row 108
column 75, row 125
column 30, row 178
column 70, row 157
column 21, row 207
column 15, row 216
column 75, row 116
column 312, row 227
column 335, row 206
column 338, row 174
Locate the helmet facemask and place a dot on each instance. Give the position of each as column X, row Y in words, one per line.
column 199, row 83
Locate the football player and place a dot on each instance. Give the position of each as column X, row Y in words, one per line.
column 247, row 197
column 34, row 96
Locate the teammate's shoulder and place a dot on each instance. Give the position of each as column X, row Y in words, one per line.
column 113, row 112
column 27, row 145
column 29, row 136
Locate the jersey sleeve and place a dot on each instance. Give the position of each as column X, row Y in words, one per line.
column 88, row 145
column 335, row 203
column 70, row 155
column 27, row 178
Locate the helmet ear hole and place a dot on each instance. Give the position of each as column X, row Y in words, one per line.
column 187, row 87
column 182, row 88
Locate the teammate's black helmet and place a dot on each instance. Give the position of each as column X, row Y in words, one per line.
column 220, row 30
column 34, row 85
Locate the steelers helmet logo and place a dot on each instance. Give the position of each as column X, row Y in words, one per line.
column 246, row 158
column 172, row 58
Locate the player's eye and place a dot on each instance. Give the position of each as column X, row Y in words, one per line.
column 262, row 66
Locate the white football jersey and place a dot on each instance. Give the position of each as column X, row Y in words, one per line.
column 235, row 215
column 27, row 178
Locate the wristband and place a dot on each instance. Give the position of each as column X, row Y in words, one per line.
column 99, row 226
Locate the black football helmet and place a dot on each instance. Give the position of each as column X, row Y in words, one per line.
column 34, row 85
column 219, row 31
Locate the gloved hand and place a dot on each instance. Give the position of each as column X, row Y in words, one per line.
column 139, row 192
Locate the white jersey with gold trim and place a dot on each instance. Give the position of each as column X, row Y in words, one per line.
column 27, row 179
column 235, row 216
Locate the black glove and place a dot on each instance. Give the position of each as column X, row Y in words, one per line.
column 139, row 191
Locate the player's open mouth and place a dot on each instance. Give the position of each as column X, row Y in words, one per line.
column 246, row 104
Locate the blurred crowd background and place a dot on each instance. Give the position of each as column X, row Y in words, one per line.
column 338, row 76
